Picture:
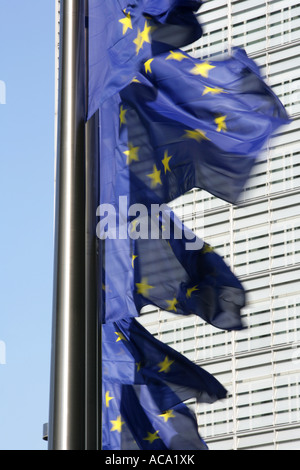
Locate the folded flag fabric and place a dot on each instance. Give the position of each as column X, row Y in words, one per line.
column 145, row 383
column 182, row 123
column 186, row 276
column 176, row 271
column 187, row 123
column 182, row 280
column 133, row 421
column 123, row 34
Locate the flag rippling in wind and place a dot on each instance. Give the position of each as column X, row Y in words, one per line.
column 123, row 34
column 144, row 385
column 174, row 272
column 168, row 123
column 159, row 140
column 191, row 123
column 186, row 276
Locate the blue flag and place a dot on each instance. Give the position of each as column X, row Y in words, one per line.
column 166, row 265
column 144, row 385
column 141, row 266
column 150, row 257
column 123, row 34
column 134, row 421
column 189, row 123
column 156, row 144
column 184, row 275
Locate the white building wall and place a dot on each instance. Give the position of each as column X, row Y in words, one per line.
column 260, row 239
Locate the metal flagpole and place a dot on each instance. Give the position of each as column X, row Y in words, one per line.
column 66, row 430
column 93, row 375
column 93, row 280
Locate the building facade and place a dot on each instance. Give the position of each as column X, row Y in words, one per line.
column 260, row 239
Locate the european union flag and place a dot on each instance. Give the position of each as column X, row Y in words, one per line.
column 123, row 34
column 134, row 421
column 181, row 123
column 144, row 385
column 188, row 123
column 177, row 272
column 184, row 275
column 157, row 144
column 162, row 263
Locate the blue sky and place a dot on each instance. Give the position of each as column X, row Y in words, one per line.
column 26, row 209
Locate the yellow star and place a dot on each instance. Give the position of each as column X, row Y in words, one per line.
column 122, row 115
column 166, row 160
column 172, row 304
column 148, row 65
column 132, row 259
column 213, row 90
column 167, row 415
column 190, row 290
column 155, row 177
column 117, row 424
column 196, row 134
column 126, row 22
column 220, row 121
column 151, row 437
column 133, row 226
column 138, row 366
column 176, row 56
column 143, row 287
column 106, row 288
column 120, row 336
column 145, row 33
column 207, row 248
column 132, row 154
column 135, row 80
column 202, row 69
column 165, row 365
column 138, row 41
column 107, row 399
column 142, row 36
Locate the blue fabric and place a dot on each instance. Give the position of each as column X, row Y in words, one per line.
column 144, row 385
column 164, row 134
column 211, row 117
column 168, row 123
column 181, row 275
column 123, row 34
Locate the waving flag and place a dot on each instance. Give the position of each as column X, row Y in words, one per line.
column 178, row 276
column 133, row 420
column 144, row 385
column 190, row 123
column 176, row 272
column 172, row 129
column 124, row 34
